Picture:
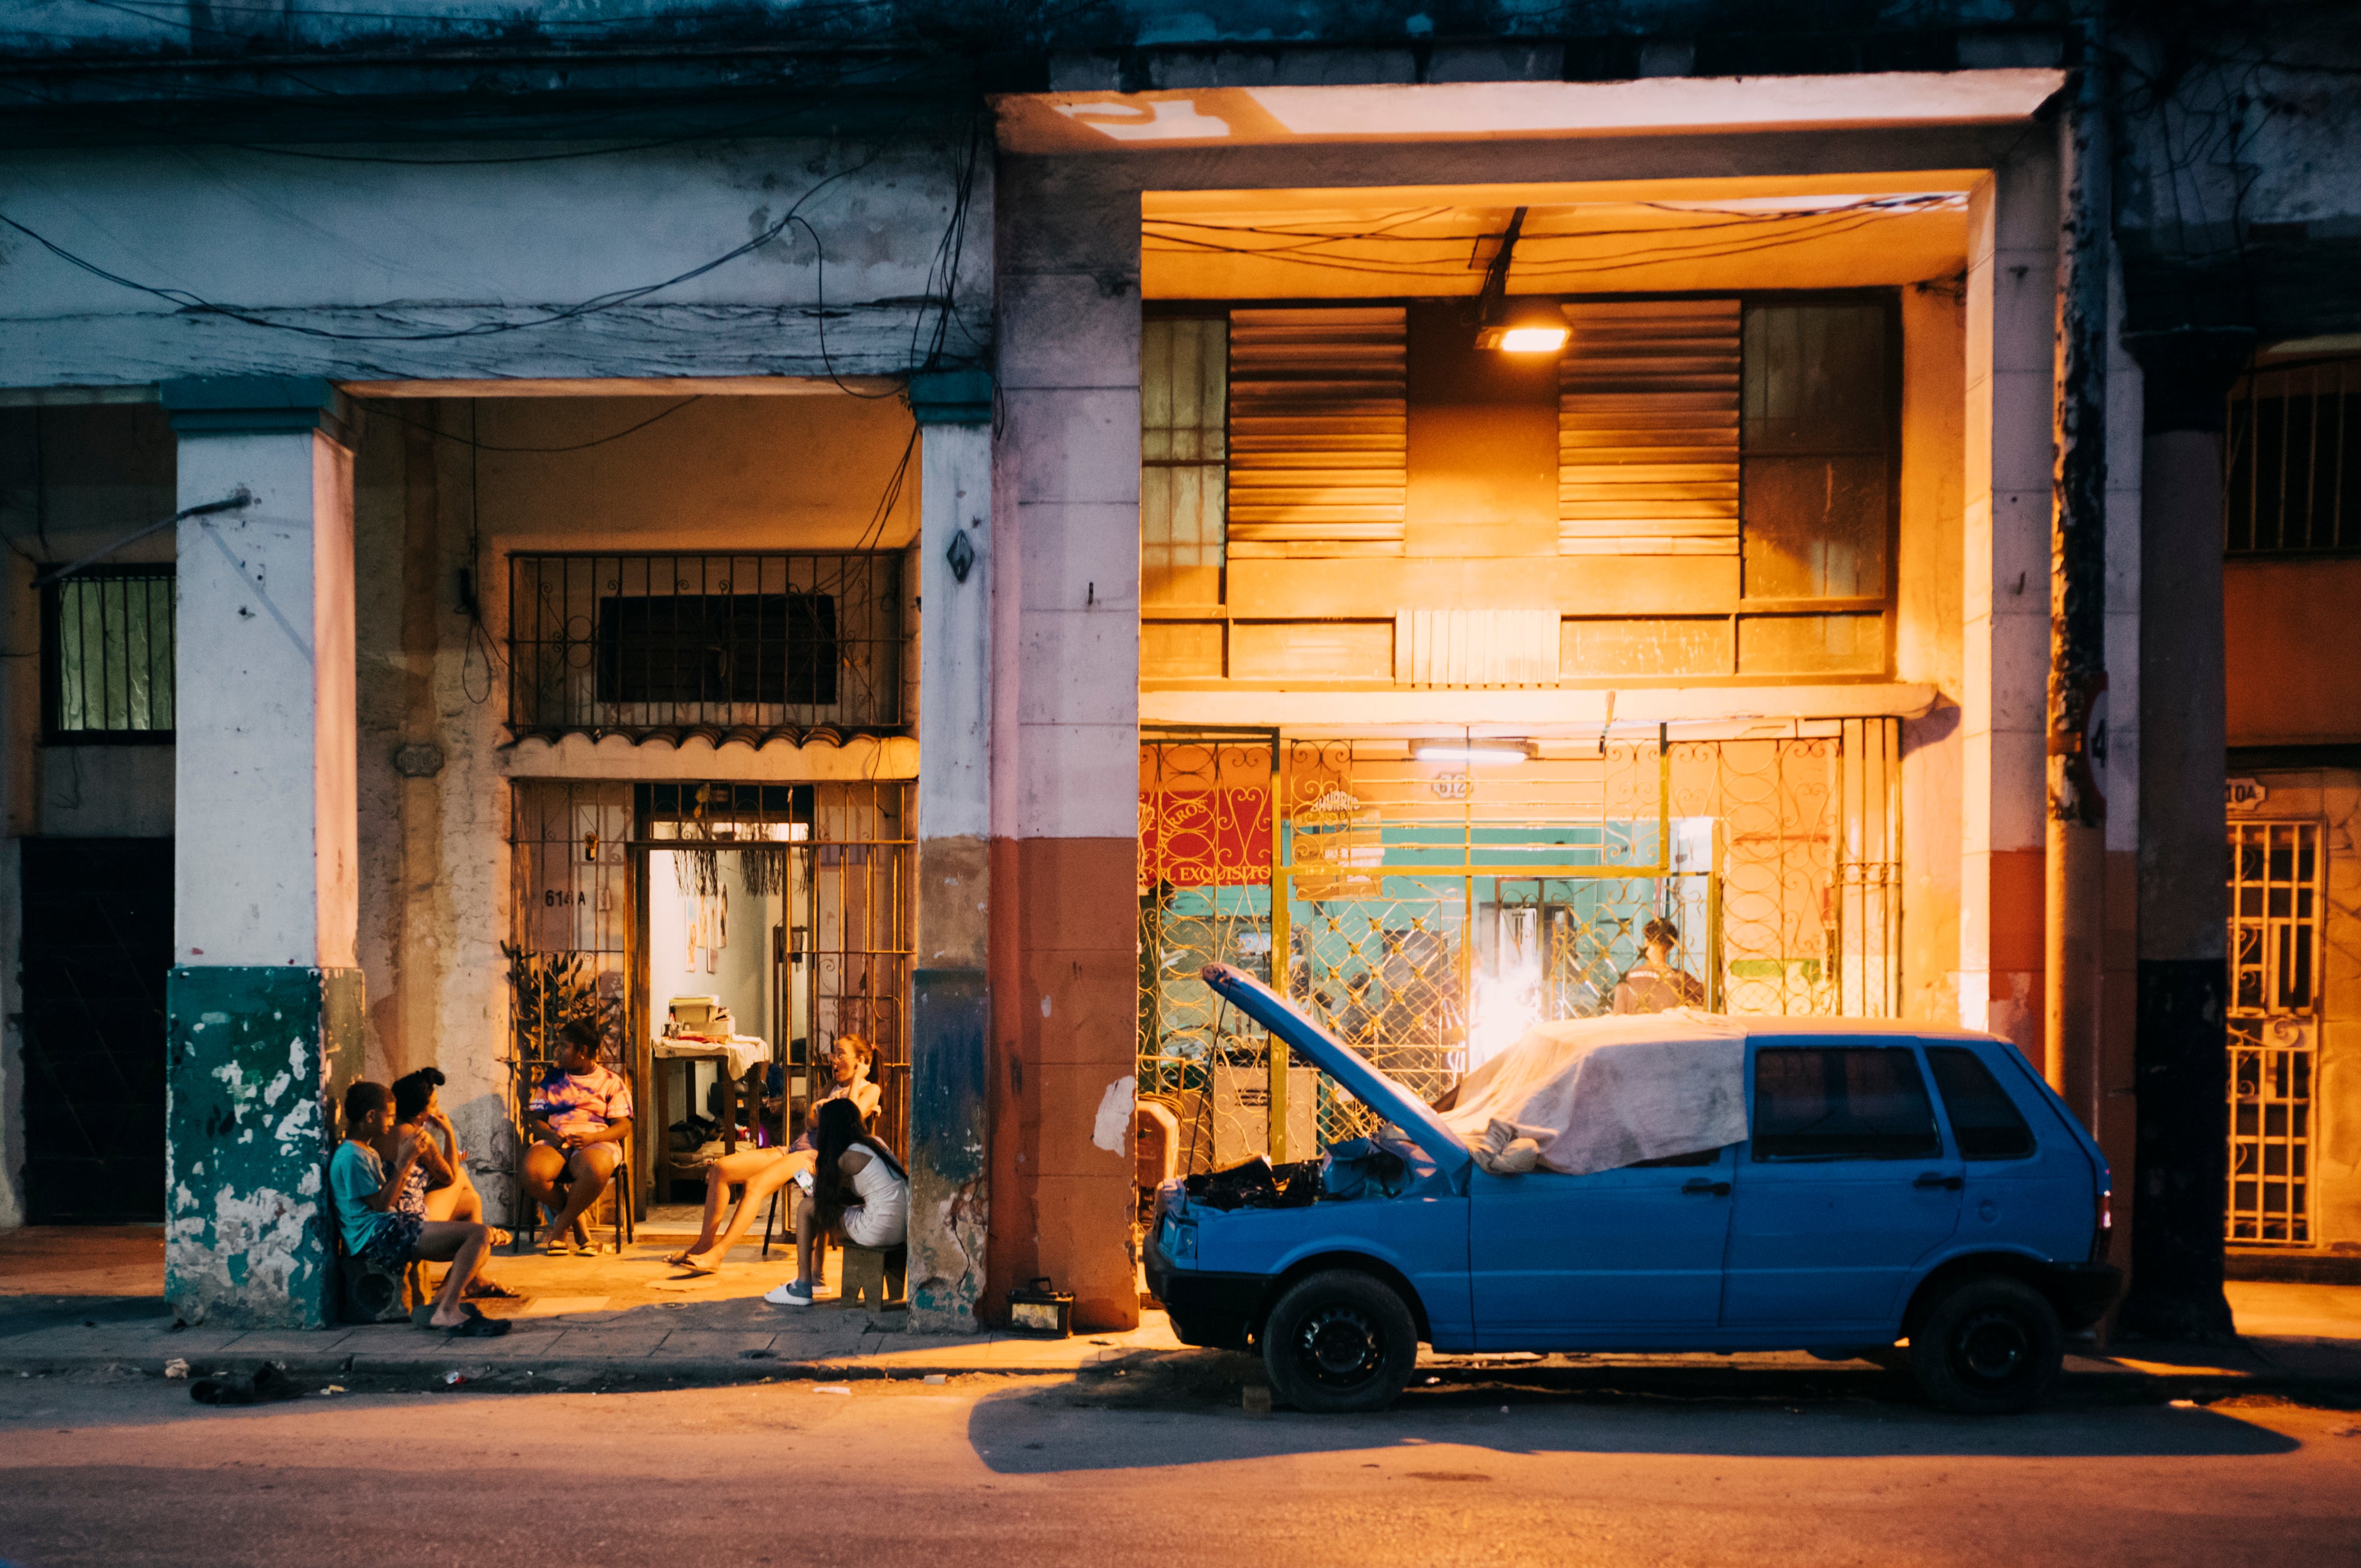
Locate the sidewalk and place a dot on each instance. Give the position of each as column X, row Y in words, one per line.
column 90, row 1302
column 88, row 1298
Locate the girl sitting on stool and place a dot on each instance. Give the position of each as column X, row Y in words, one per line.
column 860, row 1194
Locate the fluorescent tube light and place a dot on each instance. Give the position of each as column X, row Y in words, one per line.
column 1475, row 754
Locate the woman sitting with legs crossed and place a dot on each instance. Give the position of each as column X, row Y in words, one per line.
column 580, row 1114
column 439, row 1188
column 860, row 1194
column 765, row 1171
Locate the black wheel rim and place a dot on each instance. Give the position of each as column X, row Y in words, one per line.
column 1339, row 1347
column 1992, row 1351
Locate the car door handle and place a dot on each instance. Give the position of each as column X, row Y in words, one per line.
column 1936, row 1178
column 1706, row 1187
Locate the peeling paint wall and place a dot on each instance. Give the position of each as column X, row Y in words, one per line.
column 397, row 255
column 255, row 1054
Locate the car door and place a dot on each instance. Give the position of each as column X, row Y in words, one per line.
column 1844, row 1185
column 1616, row 1256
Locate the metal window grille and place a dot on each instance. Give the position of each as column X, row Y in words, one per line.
column 751, row 648
column 2277, row 906
column 107, row 657
column 2291, row 488
column 1184, row 453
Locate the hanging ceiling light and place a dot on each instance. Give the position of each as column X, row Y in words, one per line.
column 1531, row 327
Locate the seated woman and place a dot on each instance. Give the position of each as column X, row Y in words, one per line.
column 438, row 1187
column 765, row 1171
column 579, row 1116
column 860, row 1194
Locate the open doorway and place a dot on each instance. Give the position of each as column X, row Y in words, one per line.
column 727, row 995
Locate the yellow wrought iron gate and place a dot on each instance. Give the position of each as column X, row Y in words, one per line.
column 2277, row 910
column 1429, row 904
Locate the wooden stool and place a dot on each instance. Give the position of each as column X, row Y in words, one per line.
column 878, row 1274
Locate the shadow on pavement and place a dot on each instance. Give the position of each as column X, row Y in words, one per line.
column 1189, row 1414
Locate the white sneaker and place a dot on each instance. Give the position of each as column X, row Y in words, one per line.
column 789, row 1295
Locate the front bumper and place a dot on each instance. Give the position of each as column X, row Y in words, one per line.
column 2083, row 1292
column 1207, row 1308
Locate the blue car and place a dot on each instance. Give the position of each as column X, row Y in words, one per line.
column 1896, row 1183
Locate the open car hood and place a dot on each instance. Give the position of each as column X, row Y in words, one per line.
column 1341, row 1062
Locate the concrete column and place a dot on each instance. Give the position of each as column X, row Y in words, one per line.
column 2179, row 1056
column 949, row 1016
column 2074, row 914
column 1066, row 733
column 264, row 1000
column 2005, row 594
column 2119, row 1103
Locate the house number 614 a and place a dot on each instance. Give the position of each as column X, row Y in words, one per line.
column 1450, row 786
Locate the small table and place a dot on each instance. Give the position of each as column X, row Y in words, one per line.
column 736, row 1055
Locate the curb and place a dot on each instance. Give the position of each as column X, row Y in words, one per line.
column 1678, row 1381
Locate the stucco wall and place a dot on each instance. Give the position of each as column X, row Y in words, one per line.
column 397, row 267
column 2293, row 651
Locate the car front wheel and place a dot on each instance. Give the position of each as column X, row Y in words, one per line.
column 1991, row 1347
column 1339, row 1342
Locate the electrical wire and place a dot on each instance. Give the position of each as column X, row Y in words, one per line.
column 377, row 407
column 1837, row 221
column 199, row 305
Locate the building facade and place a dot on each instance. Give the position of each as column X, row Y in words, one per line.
column 932, row 528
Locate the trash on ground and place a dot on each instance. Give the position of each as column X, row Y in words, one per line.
column 831, row 1388
column 176, row 1367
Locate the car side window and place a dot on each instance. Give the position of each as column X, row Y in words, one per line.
column 1814, row 1102
column 1986, row 1122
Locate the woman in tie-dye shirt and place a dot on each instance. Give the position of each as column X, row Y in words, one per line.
column 580, row 1114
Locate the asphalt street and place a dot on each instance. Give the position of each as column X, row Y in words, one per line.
column 1116, row 1470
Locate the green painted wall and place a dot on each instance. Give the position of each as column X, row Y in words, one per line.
column 254, row 1056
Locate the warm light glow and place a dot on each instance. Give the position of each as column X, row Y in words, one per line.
column 1533, row 339
column 1506, row 1006
column 1477, row 755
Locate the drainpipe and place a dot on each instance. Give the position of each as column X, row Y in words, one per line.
column 2074, row 917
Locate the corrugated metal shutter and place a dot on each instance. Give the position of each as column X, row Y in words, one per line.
column 1647, row 428
column 1319, row 434
column 1475, row 647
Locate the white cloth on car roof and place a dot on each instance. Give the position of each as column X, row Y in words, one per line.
column 1598, row 1093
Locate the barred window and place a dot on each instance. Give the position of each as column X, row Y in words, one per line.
column 107, row 657
column 754, row 647
column 1183, row 440
column 2291, row 488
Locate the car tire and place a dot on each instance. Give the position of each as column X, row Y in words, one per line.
column 1339, row 1342
column 1991, row 1347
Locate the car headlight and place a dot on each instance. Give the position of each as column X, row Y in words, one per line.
column 1179, row 1240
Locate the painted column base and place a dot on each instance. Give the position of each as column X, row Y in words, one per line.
column 949, row 1014
column 255, row 1054
column 2183, row 1068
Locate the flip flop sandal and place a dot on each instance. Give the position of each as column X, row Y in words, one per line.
column 480, row 1327
column 489, row 1290
column 697, row 1270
